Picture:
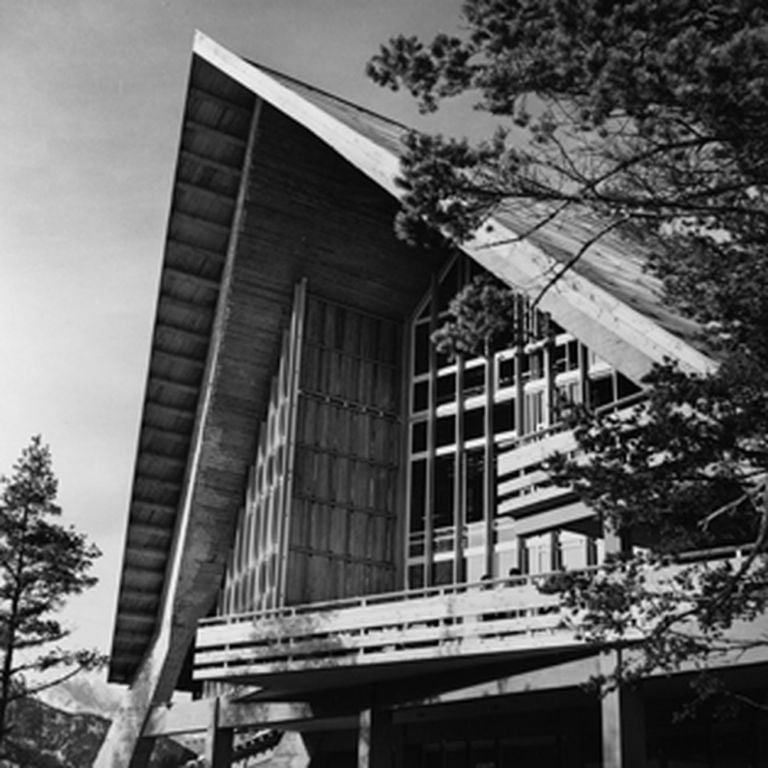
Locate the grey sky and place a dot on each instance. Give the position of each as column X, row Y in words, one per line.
column 90, row 112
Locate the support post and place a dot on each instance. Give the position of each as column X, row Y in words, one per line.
column 623, row 724
column 374, row 742
column 218, row 742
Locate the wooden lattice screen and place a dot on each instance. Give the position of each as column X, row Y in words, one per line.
column 320, row 515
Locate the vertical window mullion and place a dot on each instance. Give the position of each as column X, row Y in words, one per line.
column 429, row 500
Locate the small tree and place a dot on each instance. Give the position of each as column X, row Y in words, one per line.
column 41, row 564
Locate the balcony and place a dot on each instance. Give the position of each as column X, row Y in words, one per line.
column 351, row 642
column 441, row 624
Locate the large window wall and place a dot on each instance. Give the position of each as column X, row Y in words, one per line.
column 461, row 411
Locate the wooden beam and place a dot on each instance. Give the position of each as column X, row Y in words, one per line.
column 196, row 92
column 175, row 357
column 182, row 433
column 190, row 389
column 140, row 508
column 196, row 336
column 270, row 714
column 138, row 601
column 169, row 409
column 150, row 558
column 173, row 302
column 171, row 485
column 150, row 532
column 199, row 221
column 188, row 717
column 138, row 618
column 191, row 277
column 182, row 717
column 175, row 460
column 230, row 138
column 196, row 188
column 562, row 674
column 208, row 162
column 180, row 247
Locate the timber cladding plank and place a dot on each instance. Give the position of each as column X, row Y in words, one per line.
column 340, row 223
column 342, row 532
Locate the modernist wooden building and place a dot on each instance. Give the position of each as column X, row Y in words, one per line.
column 324, row 515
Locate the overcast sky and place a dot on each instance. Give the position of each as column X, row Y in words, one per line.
column 90, row 113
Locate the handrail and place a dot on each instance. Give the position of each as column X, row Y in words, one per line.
column 446, row 589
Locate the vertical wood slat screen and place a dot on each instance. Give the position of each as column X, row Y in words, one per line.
column 257, row 561
column 345, row 499
column 319, row 519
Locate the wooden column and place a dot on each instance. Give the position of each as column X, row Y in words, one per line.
column 519, row 355
column 429, row 491
column 550, row 406
column 218, row 742
column 623, row 723
column 489, row 477
column 374, row 742
column 459, row 484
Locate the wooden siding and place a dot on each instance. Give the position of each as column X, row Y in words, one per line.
column 345, row 498
column 256, row 561
column 320, row 512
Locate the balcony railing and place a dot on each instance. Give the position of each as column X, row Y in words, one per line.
column 449, row 622
column 503, row 617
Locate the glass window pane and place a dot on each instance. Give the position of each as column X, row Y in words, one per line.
column 601, row 391
column 446, row 388
column 474, row 425
column 418, row 494
column 419, row 437
column 474, row 486
column 507, row 372
column 444, row 474
column 446, row 430
column 420, row 396
column 504, row 416
column 473, row 380
column 626, row 387
column 421, row 346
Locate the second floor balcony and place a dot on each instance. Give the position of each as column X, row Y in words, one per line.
column 487, row 619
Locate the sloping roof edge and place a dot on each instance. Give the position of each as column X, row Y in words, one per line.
column 498, row 248
column 375, row 161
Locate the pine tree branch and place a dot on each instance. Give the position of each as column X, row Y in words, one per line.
column 574, row 259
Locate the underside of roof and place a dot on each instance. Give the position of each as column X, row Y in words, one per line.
column 226, row 94
column 212, row 148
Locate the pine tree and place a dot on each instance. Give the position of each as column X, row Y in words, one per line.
column 646, row 119
column 41, row 564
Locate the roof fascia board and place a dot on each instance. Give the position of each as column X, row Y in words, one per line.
column 525, row 266
column 376, row 162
